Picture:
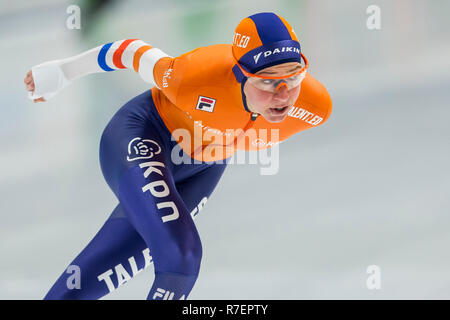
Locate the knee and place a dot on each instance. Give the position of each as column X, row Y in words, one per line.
column 192, row 257
column 182, row 257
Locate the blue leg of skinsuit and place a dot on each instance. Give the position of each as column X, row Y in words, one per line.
column 152, row 221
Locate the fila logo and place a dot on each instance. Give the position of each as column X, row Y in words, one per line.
column 205, row 104
column 165, row 294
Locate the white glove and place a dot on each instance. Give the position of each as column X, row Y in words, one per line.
column 49, row 79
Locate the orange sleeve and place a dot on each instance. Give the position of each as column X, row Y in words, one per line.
column 169, row 74
column 203, row 67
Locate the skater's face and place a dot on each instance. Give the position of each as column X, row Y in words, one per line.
column 273, row 98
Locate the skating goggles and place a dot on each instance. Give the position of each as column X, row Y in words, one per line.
column 272, row 84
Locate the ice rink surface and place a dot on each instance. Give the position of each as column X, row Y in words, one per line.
column 369, row 187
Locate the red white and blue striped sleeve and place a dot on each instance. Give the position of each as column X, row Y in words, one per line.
column 132, row 54
column 52, row 76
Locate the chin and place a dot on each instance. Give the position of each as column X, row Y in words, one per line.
column 274, row 119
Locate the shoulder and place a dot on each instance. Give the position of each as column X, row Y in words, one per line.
column 213, row 53
column 211, row 65
column 315, row 96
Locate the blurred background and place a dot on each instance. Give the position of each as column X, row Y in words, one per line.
column 369, row 187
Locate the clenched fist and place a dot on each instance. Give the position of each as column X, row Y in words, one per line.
column 29, row 83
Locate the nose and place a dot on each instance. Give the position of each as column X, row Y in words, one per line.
column 280, row 85
column 281, row 92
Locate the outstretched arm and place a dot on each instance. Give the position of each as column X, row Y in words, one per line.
column 45, row 80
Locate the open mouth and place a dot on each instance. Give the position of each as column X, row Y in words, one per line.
column 279, row 110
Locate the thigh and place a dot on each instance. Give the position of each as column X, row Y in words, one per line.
column 197, row 189
column 135, row 158
column 135, row 134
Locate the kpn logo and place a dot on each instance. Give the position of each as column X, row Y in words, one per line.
column 142, row 149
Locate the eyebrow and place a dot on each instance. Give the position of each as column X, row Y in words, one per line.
column 270, row 72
